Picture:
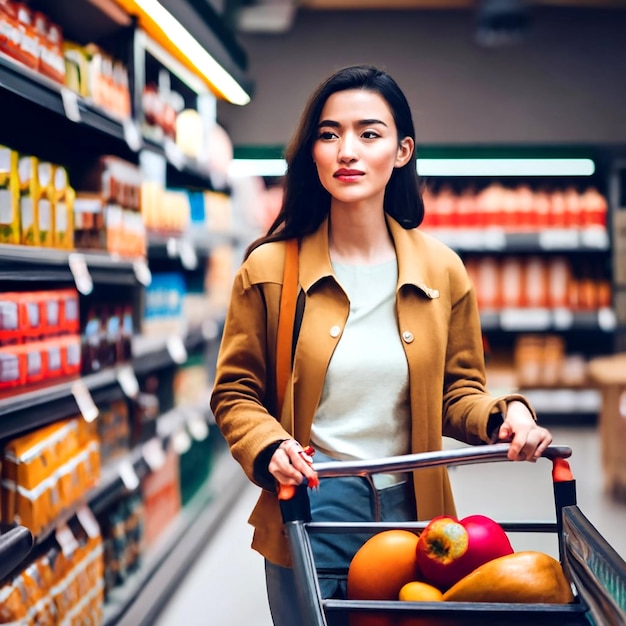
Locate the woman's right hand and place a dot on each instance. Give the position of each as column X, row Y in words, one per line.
column 290, row 464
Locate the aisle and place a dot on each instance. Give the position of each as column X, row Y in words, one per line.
column 226, row 586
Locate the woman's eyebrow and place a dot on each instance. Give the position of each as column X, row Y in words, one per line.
column 366, row 122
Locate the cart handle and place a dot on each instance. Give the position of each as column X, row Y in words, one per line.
column 403, row 463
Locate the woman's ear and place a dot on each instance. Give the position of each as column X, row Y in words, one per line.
column 405, row 151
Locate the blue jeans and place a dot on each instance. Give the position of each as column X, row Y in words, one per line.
column 337, row 500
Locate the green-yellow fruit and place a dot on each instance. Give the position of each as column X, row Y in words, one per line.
column 524, row 577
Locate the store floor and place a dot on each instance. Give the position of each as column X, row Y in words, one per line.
column 226, row 586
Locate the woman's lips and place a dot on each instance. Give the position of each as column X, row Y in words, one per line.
column 348, row 175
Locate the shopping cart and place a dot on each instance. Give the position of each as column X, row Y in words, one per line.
column 596, row 571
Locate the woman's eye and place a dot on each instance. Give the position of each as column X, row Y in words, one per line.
column 370, row 134
column 326, row 134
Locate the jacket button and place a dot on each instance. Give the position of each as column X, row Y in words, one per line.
column 407, row 336
column 334, row 331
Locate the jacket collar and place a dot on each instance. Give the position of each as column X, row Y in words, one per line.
column 412, row 251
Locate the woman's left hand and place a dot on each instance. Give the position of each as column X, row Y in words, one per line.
column 528, row 440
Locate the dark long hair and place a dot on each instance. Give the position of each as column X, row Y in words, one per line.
column 306, row 203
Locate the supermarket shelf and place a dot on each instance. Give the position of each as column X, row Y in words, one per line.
column 188, row 248
column 112, row 479
column 153, row 353
column 41, row 93
column 142, row 597
column 564, row 401
column 19, row 263
column 116, row 476
column 48, row 94
column 546, row 240
column 47, row 403
column 543, row 319
column 15, row 544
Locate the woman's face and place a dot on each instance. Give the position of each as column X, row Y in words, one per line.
column 357, row 146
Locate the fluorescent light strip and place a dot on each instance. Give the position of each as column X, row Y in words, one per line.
column 190, row 47
column 165, row 58
column 447, row 167
column 505, row 167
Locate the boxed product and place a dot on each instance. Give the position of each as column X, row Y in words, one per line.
column 88, row 218
column 51, row 61
column 9, row 196
column 29, row 201
column 161, row 496
column 44, row 473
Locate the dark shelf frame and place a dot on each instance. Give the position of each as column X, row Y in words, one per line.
column 39, row 407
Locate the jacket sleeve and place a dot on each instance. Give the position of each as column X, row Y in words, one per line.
column 244, row 381
column 467, row 406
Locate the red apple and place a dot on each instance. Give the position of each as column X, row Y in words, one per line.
column 448, row 549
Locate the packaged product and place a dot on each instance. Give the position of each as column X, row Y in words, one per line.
column 28, row 51
column 9, row 195
column 51, row 61
column 76, row 68
column 45, row 203
column 29, row 200
column 88, row 221
column 63, row 209
column 11, row 367
column 9, row 30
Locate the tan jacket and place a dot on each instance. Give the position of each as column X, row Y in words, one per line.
column 439, row 324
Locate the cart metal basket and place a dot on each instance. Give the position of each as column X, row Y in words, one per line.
column 596, row 571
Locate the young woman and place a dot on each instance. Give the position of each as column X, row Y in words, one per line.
column 389, row 354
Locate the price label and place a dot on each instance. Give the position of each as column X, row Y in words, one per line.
column 153, row 454
column 493, row 239
column 198, row 427
column 128, row 381
column 132, row 136
column 176, row 349
column 210, row 329
column 86, row 405
column 80, row 273
column 563, row 318
column 188, row 256
column 142, row 272
column 171, row 247
column 558, row 239
column 595, row 238
column 128, row 475
column 174, row 154
column 606, row 319
column 66, row 540
column 70, row 104
column 181, row 441
column 525, row 319
column 88, row 522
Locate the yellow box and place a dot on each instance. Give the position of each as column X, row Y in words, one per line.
column 9, row 197
column 63, row 211
column 44, row 188
column 29, row 202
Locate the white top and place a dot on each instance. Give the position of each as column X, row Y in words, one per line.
column 364, row 412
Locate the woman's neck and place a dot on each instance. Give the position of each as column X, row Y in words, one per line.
column 359, row 238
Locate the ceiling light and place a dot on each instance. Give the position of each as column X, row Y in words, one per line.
column 180, row 38
column 446, row 167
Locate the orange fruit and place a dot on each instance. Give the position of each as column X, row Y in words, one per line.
column 418, row 591
column 383, row 565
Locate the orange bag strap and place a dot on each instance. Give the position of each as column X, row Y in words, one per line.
column 286, row 319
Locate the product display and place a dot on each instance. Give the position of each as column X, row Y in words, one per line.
column 64, row 584
column 102, row 446
column 48, row 471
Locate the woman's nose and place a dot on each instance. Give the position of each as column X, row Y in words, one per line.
column 347, row 149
